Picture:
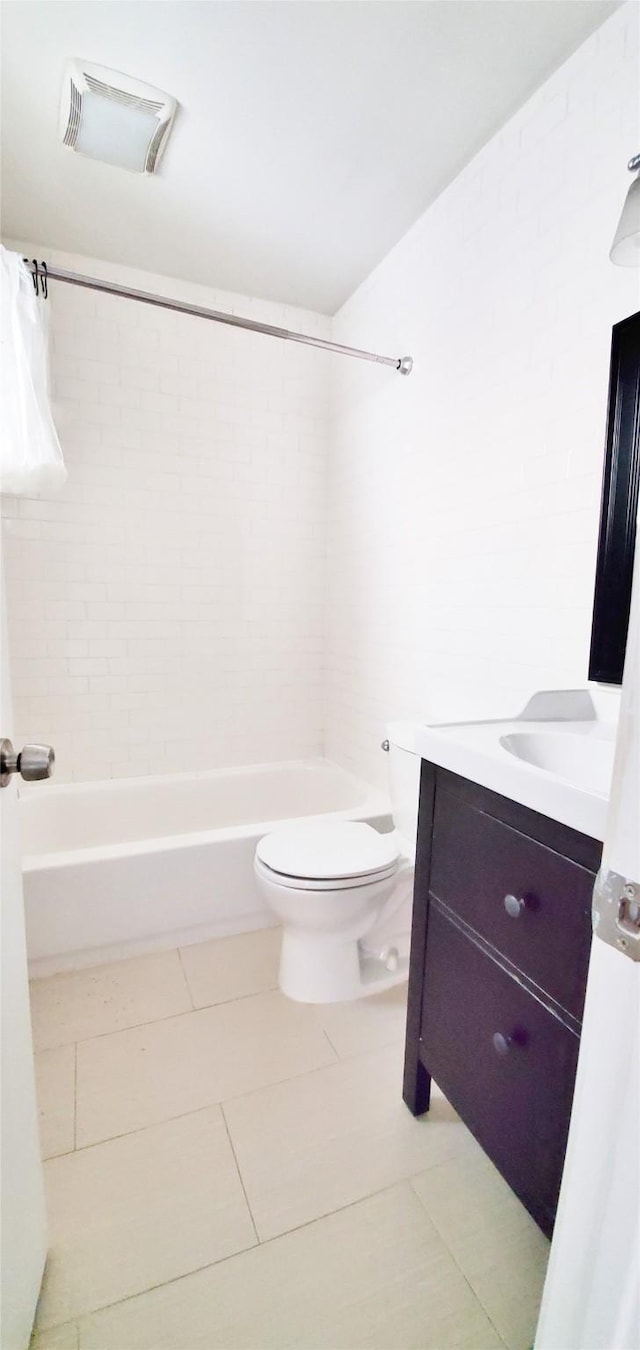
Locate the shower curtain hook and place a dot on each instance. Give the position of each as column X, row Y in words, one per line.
column 44, row 280
column 32, row 263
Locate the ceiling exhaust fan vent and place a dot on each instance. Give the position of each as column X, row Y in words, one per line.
column 75, row 108
column 121, row 96
column 155, row 149
column 114, row 118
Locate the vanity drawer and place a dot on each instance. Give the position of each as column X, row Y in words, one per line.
column 516, row 1098
column 545, row 927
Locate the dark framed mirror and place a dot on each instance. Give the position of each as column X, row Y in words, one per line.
column 619, row 507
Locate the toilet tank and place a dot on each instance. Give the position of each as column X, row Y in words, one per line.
column 404, row 782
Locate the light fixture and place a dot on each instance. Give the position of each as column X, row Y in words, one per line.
column 113, row 117
column 625, row 249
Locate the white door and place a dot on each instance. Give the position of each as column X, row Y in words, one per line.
column 23, row 1214
column 592, row 1292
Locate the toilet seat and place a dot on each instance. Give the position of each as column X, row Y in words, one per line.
column 327, row 856
column 316, row 884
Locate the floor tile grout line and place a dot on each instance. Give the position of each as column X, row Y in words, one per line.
column 38, row 1333
column 162, row 950
column 185, row 1012
column 210, row 1106
column 154, row 1021
column 242, row 1251
column 237, row 1097
column 188, row 1012
column 326, row 1034
column 240, row 1176
column 186, row 978
column 207, row 1106
column 455, row 1259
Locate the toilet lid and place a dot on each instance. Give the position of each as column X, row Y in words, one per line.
column 327, row 852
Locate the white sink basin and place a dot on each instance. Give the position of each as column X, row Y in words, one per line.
column 586, row 761
column 555, row 756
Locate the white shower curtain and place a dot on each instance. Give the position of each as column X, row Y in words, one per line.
column 31, row 462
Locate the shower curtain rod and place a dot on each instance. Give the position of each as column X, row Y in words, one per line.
column 43, row 272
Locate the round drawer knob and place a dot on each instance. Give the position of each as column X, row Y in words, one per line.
column 513, row 906
column 502, row 1044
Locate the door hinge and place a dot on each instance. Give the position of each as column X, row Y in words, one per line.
column 616, row 912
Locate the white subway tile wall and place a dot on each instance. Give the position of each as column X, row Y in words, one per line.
column 166, row 608
column 464, row 500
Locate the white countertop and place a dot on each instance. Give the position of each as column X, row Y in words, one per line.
column 572, row 731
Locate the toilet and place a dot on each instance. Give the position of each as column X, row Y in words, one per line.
column 343, row 893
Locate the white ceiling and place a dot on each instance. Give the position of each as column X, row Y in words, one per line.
column 310, row 136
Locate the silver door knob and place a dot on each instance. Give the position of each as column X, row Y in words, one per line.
column 32, row 762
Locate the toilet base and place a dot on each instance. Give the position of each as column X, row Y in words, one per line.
column 321, row 969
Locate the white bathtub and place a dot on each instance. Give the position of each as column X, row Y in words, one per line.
column 128, row 865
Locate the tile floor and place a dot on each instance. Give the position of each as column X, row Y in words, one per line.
column 226, row 1169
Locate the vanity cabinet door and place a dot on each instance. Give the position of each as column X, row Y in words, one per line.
column 530, row 903
column 504, row 1061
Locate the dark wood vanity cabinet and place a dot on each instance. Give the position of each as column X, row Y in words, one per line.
column 499, row 953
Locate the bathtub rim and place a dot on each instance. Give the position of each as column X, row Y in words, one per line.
column 26, row 790
column 376, row 808
column 371, row 803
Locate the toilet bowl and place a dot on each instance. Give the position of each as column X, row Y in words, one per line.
column 342, row 892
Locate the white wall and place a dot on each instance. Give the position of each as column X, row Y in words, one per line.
column 166, row 608
column 465, row 498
